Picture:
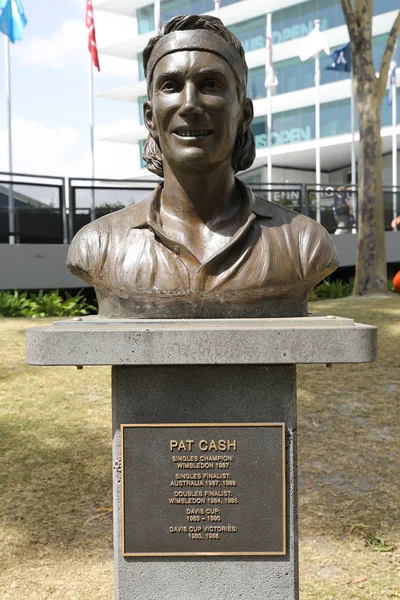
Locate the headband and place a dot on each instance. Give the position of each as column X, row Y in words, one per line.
column 196, row 39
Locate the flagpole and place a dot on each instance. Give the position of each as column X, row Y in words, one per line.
column 11, row 208
column 394, row 141
column 157, row 16
column 216, row 6
column 269, row 110
column 353, row 148
column 317, row 133
column 91, row 112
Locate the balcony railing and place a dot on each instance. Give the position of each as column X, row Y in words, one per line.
column 50, row 210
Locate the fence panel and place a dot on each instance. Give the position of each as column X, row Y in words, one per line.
column 38, row 209
column 109, row 197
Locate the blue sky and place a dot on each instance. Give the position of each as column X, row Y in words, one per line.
column 50, row 95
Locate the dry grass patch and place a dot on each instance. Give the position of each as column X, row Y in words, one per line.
column 55, row 426
column 349, row 464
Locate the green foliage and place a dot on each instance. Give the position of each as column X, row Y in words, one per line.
column 108, row 207
column 43, row 304
column 14, row 304
column 332, row 289
column 328, row 290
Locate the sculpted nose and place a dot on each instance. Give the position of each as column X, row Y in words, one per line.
column 190, row 100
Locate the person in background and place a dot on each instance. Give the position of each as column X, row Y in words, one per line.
column 395, row 224
column 342, row 211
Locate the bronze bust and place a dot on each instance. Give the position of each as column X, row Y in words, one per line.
column 202, row 245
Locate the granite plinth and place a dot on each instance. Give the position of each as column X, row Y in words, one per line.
column 95, row 341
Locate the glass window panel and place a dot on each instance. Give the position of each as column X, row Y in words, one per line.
column 382, row 6
column 145, row 17
column 256, row 83
column 251, row 33
column 293, row 74
column 143, row 164
column 173, row 8
column 386, row 111
column 140, row 66
column 298, row 125
column 141, row 101
column 259, row 128
column 298, row 21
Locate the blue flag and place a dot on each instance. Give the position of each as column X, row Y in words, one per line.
column 341, row 60
column 12, row 19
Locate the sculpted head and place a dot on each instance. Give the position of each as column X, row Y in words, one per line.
column 197, row 115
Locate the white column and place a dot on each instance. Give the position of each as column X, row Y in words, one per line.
column 216, row 6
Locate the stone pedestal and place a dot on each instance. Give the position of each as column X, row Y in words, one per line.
column 208, row 372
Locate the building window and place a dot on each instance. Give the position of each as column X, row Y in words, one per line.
column 140, row 66
column 141, row 101
column 287, row 24
column 173, row 8
column 145, row 18
column 251, row 33
column 298, row 125
column 293, row 74
column 298, row 20
column 383, row 6
column 256, row 83
column 143, row 164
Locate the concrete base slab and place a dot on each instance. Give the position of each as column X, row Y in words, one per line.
column 94, row 341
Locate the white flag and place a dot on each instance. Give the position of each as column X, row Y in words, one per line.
column 313, row 44
column 271, row 80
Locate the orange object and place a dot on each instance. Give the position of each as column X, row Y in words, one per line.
column 396, row 282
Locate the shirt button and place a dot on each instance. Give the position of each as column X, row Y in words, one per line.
column 177, row 250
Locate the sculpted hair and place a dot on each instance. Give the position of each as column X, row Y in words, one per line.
column 245, row 147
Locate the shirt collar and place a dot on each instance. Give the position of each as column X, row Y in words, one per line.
column 147, row 211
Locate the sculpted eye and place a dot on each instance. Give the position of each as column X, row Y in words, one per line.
column 170, row 86
column 211, row 84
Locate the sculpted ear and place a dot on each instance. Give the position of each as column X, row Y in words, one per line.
column 148, row 118
column 248, row 113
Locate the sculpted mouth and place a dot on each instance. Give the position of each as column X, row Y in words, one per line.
column 193, row 132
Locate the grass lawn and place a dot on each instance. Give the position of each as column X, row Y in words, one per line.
column 55, row 473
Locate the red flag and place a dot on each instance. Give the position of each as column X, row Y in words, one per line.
column 91, row 34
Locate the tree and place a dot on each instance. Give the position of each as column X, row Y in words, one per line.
column 369, row 89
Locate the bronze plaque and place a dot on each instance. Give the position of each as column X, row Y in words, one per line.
column 203, row 489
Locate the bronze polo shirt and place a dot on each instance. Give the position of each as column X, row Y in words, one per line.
column 267, row 268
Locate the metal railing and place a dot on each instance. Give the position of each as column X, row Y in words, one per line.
column 38, row 211
column 50, row 209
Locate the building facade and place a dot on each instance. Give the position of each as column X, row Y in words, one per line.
column 293, row 104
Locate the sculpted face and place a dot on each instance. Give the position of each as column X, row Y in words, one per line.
column 195, row 111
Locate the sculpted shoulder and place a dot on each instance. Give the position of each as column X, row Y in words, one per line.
column 91, row 244
column 308, row 241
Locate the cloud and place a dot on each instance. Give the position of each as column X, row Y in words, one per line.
column 63, row 151
column 69, row 45
column 40, row 149
column 63, row 47
column 118, row 127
